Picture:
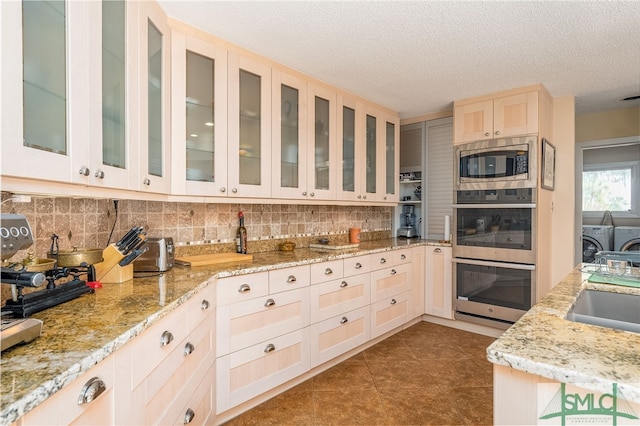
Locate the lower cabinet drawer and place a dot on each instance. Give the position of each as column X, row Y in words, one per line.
column 387, row 282
column 334, row 297
column 389, row 313
column 339, row 334
column 247, row 373
column 199, row 408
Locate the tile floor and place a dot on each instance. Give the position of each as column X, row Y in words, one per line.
column 425, row 375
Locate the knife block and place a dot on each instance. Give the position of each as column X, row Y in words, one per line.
column 118, row 274
column 111, row 256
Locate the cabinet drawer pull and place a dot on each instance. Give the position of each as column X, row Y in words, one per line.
column 91, row 390
column 393, row 272
column 166, row 338
column 358, row 265
column 269, row 303
column 393, row 301
column 343, row 320
column 188, row 416
column 328, row 271
column 343, row 284
column 244, row 288
column 204, row 305
column 438, row 250
column 291, row 279
column 188, row 349
column 383, row 260
column 403, row 256
column 270, row 348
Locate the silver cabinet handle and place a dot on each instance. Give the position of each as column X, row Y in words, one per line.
column 358, row 265
column 99, row 174
column 146, row 181
column 313, row 194
column 393, row 272
column 223, row 189
column 91, row 390
column 497, row 132
column 393, row 301
column 188, row 416
column 291, row 279
column 234, row 190
column 343, row 284
column 344, row 320
column 365, row 197
column 244, row 288
column 403, row 256
column 188, row 349
column 269, row 303
column 166, row 338
column 84, row 171
column 328, row 271
column 438, row 250
column 304, row 194
column 487, row 134
column 359, row 196
column 204, row 305
column 270, row 348
column 383, row 260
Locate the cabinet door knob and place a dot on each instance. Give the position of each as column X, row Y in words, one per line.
column 328, row 271
column 359, row 196
column 99, row 174
column 291, row 279
column 166, row 338
column 358, row 265
column 344, row 320
column 313, row 194
column 304, row 194
column 403, row 256
column 188, row 349
column 438, row 250
column 270, row 348
column 383, row 260
column 204, row 305
column 343, row 284
column 393, row 301
column 364, row 197
column 84, row 171
column 497, row 132
column 91, row 390
column 393, row 272
column 188, row 416
column 223, row 189
column 487, row 134
column 146, row 181
column 234, row 190
column 244, row 288
column 269, row 303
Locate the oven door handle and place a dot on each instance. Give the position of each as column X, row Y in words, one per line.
column 495, row 206
column 522, row 266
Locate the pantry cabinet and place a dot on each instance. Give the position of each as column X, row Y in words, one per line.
column 506, row 116
column 438, row 282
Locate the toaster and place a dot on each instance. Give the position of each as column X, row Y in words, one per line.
column 158, row 258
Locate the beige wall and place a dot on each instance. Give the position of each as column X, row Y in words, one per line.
column 620, row 123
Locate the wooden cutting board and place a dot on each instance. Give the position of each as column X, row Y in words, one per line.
column 211, row 259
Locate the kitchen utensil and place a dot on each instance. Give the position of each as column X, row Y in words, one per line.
column 126, row 239
column 77, row 256
column 133, row 256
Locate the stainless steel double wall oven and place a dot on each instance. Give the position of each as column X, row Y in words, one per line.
column 494, row 243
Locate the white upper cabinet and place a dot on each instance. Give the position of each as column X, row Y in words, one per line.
column 249, row 132
column 322, row 140
column 289, row 136
column 349, row 151
column 391, row 137
column 199, row 116
column 155, row 85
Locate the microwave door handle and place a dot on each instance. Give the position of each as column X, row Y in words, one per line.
column 495, row 206
column 521, row 266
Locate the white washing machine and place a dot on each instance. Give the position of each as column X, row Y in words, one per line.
column 596, row 238
column 627, row 238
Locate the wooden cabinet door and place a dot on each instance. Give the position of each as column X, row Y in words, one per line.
column 335, row 297
column 438, row 283
column 473, row 122
column 417, row 283
column 389, row 282
column 321, row 130
column 337, row 335
column 247, row 373
column 515, row 115
column 389, row 313
column 242, row 324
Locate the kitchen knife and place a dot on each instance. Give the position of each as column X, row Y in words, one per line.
column 133, row 237
column 132, row 256
column 133, row 242
column 126, row 236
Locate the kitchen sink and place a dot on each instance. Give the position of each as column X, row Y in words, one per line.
column 606, row 309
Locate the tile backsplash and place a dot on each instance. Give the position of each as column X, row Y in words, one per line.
column 86, row 222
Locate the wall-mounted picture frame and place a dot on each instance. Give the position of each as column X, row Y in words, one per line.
column 548, row 165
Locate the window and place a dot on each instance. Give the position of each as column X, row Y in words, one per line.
column 607, row 188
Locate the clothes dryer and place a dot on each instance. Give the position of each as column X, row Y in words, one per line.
column 596, row 238
column 627, row 238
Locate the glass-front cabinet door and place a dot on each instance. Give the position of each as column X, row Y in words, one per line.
column 249, row 118
column 155, row 42
column 289, row 136
column 199, row 120
column 349, row 160
column 322, row 140
column 392, row 158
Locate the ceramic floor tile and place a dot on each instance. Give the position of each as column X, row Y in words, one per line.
column 452, row 373
column 359, row 407
column 293, row 407
column 389, row 350
column 475, row 405
column 346, row 375
column 424, row 348
column 425, row 406
column 405, row 374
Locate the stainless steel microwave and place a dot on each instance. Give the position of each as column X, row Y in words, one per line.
column 497, row 164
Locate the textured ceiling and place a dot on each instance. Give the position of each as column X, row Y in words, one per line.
column 417, row 57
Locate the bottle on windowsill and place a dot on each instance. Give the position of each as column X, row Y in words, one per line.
column 241, row 236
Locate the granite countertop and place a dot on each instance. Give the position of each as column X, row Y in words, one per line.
column 544, row 343
column 78, row 334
